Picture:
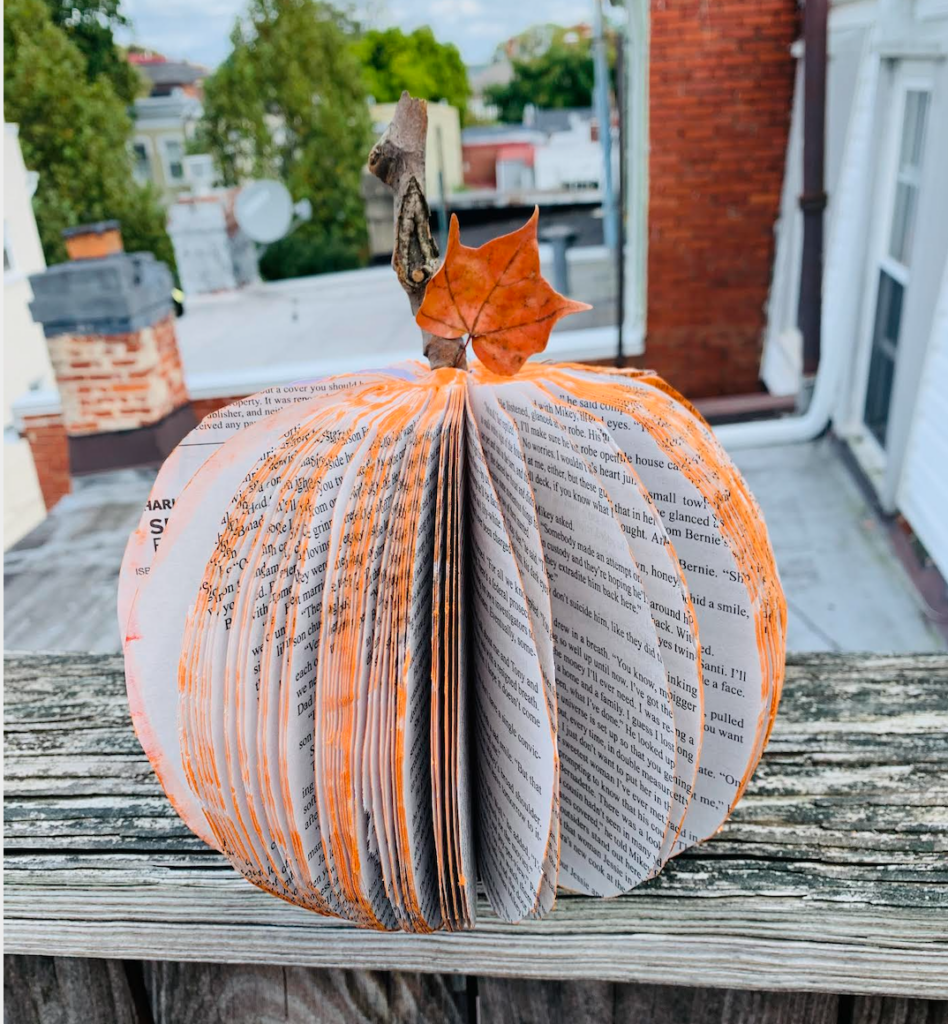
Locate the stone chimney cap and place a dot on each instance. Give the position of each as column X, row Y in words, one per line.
column 98, row 228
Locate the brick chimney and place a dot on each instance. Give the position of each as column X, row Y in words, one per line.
column 109, row 327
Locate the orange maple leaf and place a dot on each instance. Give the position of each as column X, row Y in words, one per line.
column 496, row 296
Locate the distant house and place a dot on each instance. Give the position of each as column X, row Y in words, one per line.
column 571, row 157
column 169, row 76
column 486, row 149
column 165, row 120
column 885, row 280
column 163, row 127
column 553, row 150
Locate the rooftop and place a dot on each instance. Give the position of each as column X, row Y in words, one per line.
column 172, row 72
column 834, row 556
column 175, row 106
column 263, row 334
column 561, row 119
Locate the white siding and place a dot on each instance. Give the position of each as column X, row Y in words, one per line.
column 923, row 492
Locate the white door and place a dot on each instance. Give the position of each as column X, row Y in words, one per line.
column 889, row 268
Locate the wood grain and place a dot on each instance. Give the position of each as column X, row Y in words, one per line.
column 883, row 1010
column 831, row 877
column 60, row 990
column 187, row 993
column 502, row 1001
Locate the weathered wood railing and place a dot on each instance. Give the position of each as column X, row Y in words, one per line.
column 831, row 878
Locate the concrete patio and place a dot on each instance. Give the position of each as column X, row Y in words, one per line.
column 846, row 590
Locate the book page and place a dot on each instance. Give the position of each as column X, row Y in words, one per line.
column 514, row 745
column 320, row 655
column 616, row 725
column 450, row 741
column 396, row 763
column 466, row 870
column 506, row 463
column 413, row 756
column 255, row 411
column 209, row 695
column 736, row 693
column 256, row 538
column 663, row 581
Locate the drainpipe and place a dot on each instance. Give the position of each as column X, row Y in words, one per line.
column 819, row 381
column 813, row 199
column 603, row 115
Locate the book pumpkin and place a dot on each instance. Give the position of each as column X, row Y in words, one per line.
column 409, row 628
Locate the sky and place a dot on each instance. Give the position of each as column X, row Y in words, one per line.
column 198, row 30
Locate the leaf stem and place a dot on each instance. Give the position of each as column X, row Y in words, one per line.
column 398, row 160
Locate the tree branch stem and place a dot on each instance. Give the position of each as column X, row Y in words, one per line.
column 398, row 160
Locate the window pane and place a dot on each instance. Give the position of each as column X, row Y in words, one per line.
column 910, row 160
column 913, row 129
column 885, row 338
column 142, row 163
column 903, row 222
column 174, row 152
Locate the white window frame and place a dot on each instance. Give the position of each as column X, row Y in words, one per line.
column 906, row 76
column 166, row 161
column 145, row 142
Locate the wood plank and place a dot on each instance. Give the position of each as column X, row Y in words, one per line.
column 190, row 993
column 663, row 1004
column 519, row 1001
column 63, row 990
column 831, row 876
column 885, row 1010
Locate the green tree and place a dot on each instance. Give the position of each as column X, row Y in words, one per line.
column 75, row 133
column 393, row 61
column 289, row 103
column 90, row 24
column 561, row 76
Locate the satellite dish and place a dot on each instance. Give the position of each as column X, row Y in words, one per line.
column 264, row 211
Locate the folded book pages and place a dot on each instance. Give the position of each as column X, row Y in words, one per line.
column 409, row 629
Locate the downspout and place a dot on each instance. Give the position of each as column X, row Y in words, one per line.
column 604, row 117
column 813, row 199
column 635, row 188
column 819, row 381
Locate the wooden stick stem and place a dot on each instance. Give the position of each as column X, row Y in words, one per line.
column 398, row 160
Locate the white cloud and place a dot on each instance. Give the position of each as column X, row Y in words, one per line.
column 199, row 31
column 455, row 8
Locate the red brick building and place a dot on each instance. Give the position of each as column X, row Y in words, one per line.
column 720, row 88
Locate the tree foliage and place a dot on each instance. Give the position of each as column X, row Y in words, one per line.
column 75, row 133
column 90, row 24
column 561, row 76
column 289, row 103
column 393, row 61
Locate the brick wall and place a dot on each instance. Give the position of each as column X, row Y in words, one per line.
column 118, row 381
column 480, row 166
column 721, row 82
column 50, row 449
column 49, row 445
